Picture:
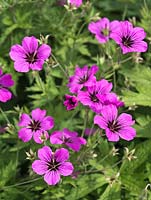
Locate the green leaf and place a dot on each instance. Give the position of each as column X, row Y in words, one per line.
column 85, row 185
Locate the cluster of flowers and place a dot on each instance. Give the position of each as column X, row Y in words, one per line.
column 123, row 33
column 93, row 93
column 51, row 165
column 98, row 97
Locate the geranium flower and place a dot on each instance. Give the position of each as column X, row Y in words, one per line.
column 68, row 138
column 102, row 29
column 37, row 126
column 5, row 82
column 29, row 55
column 115, row 126
column 82, row 77
column 76, row 3
column 112, row 98
column 70, row 102
column 52, row 165
column 94, row 95
column 130, row 39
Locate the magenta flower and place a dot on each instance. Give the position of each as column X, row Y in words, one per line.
column 37, row 126
column 70, row 102
column 115, row 126
column 68, row 138
column 82, row 77
column 111, row 98
column 94, row 95
column 5, row 82
column 76, row 3
column 52, row 165
column 103, row 28
column 29, row 55
column 130, row 39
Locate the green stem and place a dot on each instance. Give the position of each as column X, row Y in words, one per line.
column 60, row 66
column 19, row 184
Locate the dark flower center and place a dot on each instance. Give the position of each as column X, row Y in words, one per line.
column 114, row 126
column 31, row 57
column 34, row 125
column 53, row 165
column 93, row 97
column 67, row 140
column 83, row 79
column 71, row 102
column 127, row 41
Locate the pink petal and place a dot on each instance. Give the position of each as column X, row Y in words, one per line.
column 39, row 135
column 93, row 28
column 44, row 52
column 40, row 167
column 67, row 132
column 56, row 137
column 100, row 121
column 114, row 25
column 30, row 44
column 101, row 38
column 66, row 169
column 125, row 120
column 17, row 52
column 109, row 112
column 52, row 177
column 45, row 153
column 21, row 66
column 61, row 155
column 113, row 137
column 24, row 120
column 38, row 65
column 25, row 134
column 128, row 133
column 138, row 33
column 5, row 95
column 6, row 80
column 103, row 86
column 140, row 46
column 47, row 123
column 38, row 114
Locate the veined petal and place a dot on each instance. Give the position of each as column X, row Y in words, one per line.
column 38, row 114
column 39, row 167
column 38, row 65
column 47, row 123
column 21, row 65
column 125, row 120
column 30, row 44
column 17, row 52
column 52, row 177
column 56, row 137
column 113, row 137
column 127, row 133
column 66, row 169
column 43, row 52
column 100, row 121
column 109, row 112
column 45, row 153
column 25, row 134
column 61, row 155
column 24, row 120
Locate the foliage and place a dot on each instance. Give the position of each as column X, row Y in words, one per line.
column 101, row 173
